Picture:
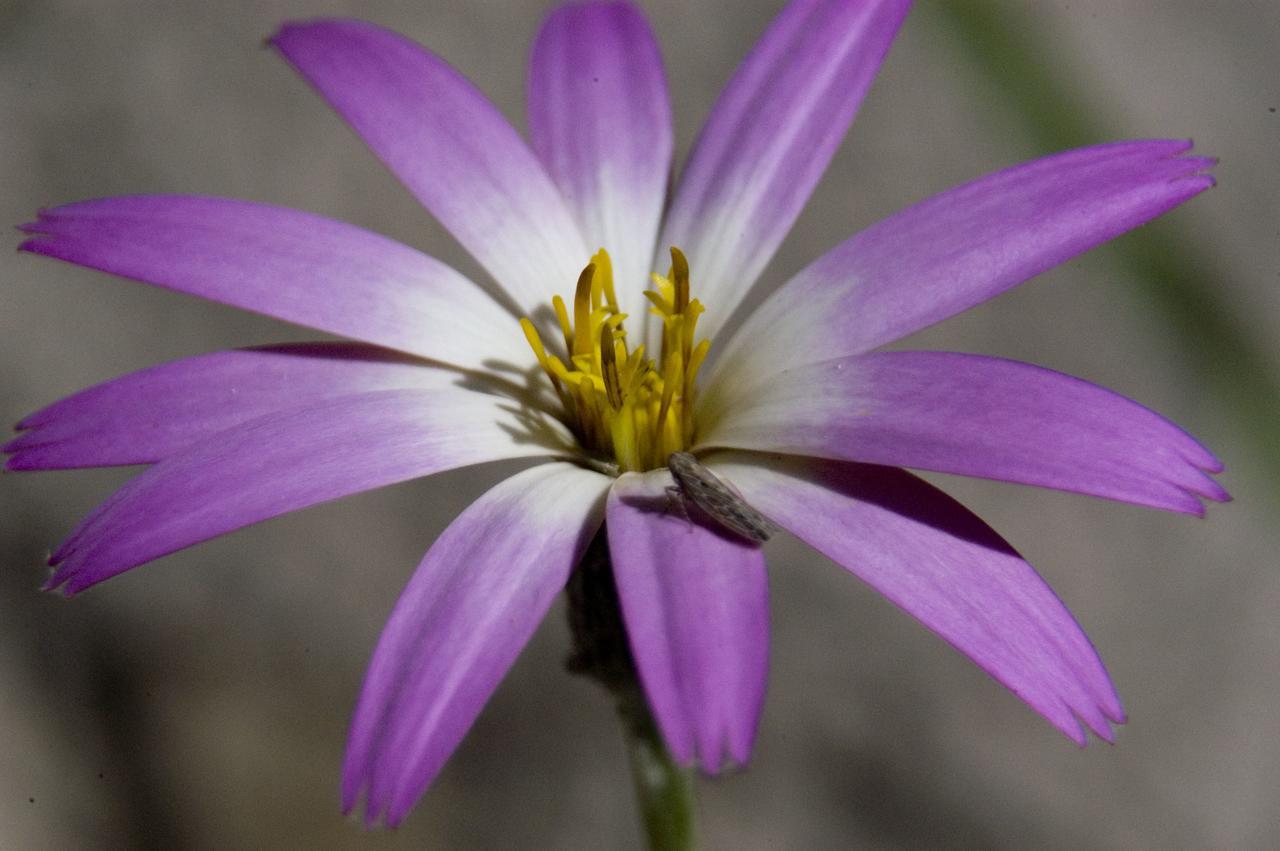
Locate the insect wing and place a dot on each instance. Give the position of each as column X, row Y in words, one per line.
column 716, row 499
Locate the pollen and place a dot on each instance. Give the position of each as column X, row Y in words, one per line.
column 625, row 406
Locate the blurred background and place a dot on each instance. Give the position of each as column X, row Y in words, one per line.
column 202, row 701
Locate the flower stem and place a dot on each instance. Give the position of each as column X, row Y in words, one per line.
column 664, row 790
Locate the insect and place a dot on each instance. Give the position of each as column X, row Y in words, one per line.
column 698, row 484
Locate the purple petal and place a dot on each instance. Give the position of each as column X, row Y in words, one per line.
column 284, row 462
column 149, row 415
column 770, row 137
column 695, row 602
column 945, row 567
column 450, row 146
column 287, row 264
column 960, row 248
column 976, row 416
column 600, row 119
column 468, row 611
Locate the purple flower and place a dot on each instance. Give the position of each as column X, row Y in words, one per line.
column 794, row 408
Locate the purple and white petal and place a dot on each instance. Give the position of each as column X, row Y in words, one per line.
column 470, row 608
column 291, row 460
column 945, row 567
column 695, row 601
column 450, row 146
column 600, row 120
column 287, row 264
column 769, row 138
column 147, row 416
column 975, row 416
column 958, row 249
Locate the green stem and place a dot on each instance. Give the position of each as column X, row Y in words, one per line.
column 664, row 790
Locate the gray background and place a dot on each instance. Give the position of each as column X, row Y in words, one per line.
column 202, row 701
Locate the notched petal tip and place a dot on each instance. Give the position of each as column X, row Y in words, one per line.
column 1104, row 733
column 46, row 216
column 1112, row 716
column 58, row 586
column 1211, row 490
column 1075, row 731
column 727, row 764
column 18, row 450
column 26, row 436
column 1176, row 148
column 61, row 577
column 1199, row 484
column 369, row 816
column 1083, row 742
column 1194, row 184
column 34, row 246
column 24, row 424
column 1199, row 162
column 1192, row 172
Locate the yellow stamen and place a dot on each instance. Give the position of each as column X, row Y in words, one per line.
column 566, row 327
column 604, row 270
column 620, row 403
column 582, row 312
column 680, row 279
column 535, row 342
column 609, row 370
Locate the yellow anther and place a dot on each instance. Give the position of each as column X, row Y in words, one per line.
column 582, row 312
column 604, row 270
column 621, row 403
column 695, row 363
column 535, row 341
column 669, row 382
column 566, row 327
column 662, row 307
column 680, row 279
column 609, row 369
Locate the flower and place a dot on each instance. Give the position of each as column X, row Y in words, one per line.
column 795, row 408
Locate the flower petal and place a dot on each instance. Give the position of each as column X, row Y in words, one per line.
column 450, row 146
column 600, row 119
column 287, row 461
column 769, row 138
column 468, row 611
column 960, row 248
column 695, row 601
column 976, row 416
column 149, row 415
column 945, row 567
column 287, row 264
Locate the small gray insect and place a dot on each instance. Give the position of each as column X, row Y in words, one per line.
column 701, row 486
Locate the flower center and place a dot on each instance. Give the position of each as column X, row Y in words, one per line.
column 620, row 403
